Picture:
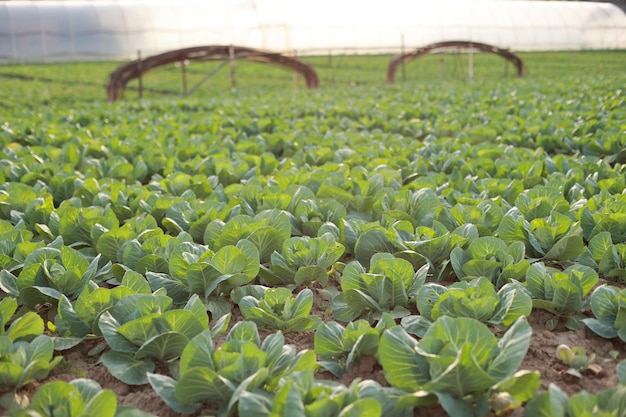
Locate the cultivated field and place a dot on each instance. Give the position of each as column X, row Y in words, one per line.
column 433, row 247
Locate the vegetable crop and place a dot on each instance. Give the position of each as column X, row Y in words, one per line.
column 330, row 227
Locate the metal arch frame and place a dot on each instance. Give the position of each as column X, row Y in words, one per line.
column 410, row 56
column 119, row 78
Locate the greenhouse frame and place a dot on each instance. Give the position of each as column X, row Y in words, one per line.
column 40, row 31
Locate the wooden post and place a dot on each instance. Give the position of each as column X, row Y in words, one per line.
column 231, row 57
column 140, row 70
column 183, row 69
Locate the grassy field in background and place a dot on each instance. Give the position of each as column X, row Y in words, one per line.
column 55, row 83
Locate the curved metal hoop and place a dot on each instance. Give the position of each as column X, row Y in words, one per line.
column 410, row 56
column 127, row 72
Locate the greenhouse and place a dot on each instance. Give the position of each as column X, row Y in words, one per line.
column 33, row 31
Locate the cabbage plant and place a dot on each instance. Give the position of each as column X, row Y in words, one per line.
column 303, row 260
column 475, row 299
column 143, row 328
column 608, row 305
column 338, row 347
column 277, row 308
column 560, row 292
column 607, row 258
column 26, row 354
column 221, row 375
column 81, row 397
column 461, row 364
column 387, row 287
column 490, row 257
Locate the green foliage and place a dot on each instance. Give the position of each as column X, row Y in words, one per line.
column 267, row 230
column 432, row 246
column 187, row 268
column 475, row 299
column 387, row 287
column 577, row 359
column 26, row 354
column 303, row 260
column 219, row 375
column 51, row 271
column 161, row 201
column 338, row 347
column 607, row 258
column 278, row 309
column 461, row 363
column 560, row 292
column 548, row 235
column 492, row 258
column 555, row 403
column 79, row 319
column 143, row 328
column 81, row 397
column 608, row 305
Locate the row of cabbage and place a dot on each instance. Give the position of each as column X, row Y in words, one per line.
column 132, row 227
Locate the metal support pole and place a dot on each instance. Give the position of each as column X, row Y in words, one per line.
column 441, row 66
column 233, row 80
column 403, row 63
column 295, row 72
column 140, row 70
column 470, row 64
column 183, row 69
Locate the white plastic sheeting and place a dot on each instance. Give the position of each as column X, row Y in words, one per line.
column 83, row 30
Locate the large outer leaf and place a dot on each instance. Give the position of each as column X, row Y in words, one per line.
column 60, row 396
column 302, row 305
column 427, row 297
column 567, row 248
column 309, row 274
column 447, row 335
column 195, row 305
column 512, row 348
column 203, row 385
column 177, row 289
column 126, row 368
column 370, row 243
column 103, row 404
column 139, row 330
column 110, row 243
column 198, row 353
column 26, row 327
column 404, row 367
column 267, row 240
column 485, row 247
column 139, row 305
column 165, row 387
column 163, row 347
column 108, row 326
column 328, row 339
column 182, row 321
column 10, row 374
column 514, row 302
column 605, row 307
column 152, row 263
column 363, row 407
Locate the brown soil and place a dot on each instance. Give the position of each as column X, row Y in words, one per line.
column 541, row 357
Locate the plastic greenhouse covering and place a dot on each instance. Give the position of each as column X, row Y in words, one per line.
column 87, row 30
